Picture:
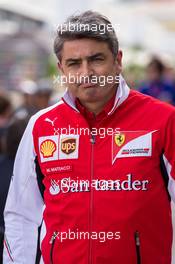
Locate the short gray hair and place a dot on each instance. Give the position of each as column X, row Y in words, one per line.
column 86, row 21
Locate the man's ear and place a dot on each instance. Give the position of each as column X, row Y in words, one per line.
column 119, row 61
column 60, row 68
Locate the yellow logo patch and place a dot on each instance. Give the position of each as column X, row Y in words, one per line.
column 119, row 139
column 47, row 148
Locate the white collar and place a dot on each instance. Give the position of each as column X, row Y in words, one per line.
column 121, row 95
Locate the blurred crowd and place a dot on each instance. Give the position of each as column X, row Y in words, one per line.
column 159, row 82
column 34, row 96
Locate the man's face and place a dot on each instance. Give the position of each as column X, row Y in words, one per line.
column 90, row 62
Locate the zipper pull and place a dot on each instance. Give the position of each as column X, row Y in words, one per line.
column 137, row 238
column 137, row 244
column 92, row 140
column 53, row 237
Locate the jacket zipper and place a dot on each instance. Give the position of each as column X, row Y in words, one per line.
column 92, row 140
column 137, row 244
column 52, row 242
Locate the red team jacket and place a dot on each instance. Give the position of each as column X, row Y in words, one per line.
column 114, row 184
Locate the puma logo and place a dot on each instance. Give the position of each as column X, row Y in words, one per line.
column 51, row 121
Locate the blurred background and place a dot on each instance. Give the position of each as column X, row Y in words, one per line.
column 28, row 72
column 146, row 31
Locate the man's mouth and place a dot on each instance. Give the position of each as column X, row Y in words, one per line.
column 87, row 85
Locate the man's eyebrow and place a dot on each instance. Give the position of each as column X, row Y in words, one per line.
column 73, row 60
column 69, row 60
column 99, row 54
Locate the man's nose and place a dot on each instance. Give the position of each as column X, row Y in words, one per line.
column 86, row 69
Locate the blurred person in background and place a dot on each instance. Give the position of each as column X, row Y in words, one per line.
column 12, row 131
column 156, row 84
column 11, row 138
column 28, row 89
column 36, row 96
column 43, row 94
column 6, row 164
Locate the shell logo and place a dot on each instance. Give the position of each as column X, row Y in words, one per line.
column 47, row 148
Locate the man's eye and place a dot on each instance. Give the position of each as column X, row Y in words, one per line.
column 98, row 59
column 73, row 64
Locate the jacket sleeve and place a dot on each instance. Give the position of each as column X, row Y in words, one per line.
column 24, row 205
column 169, row 155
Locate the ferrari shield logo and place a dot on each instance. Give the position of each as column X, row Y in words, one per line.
column 119, row 139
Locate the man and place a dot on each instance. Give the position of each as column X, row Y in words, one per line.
column 105, row 155
column 36, row 96
column 156, row 84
